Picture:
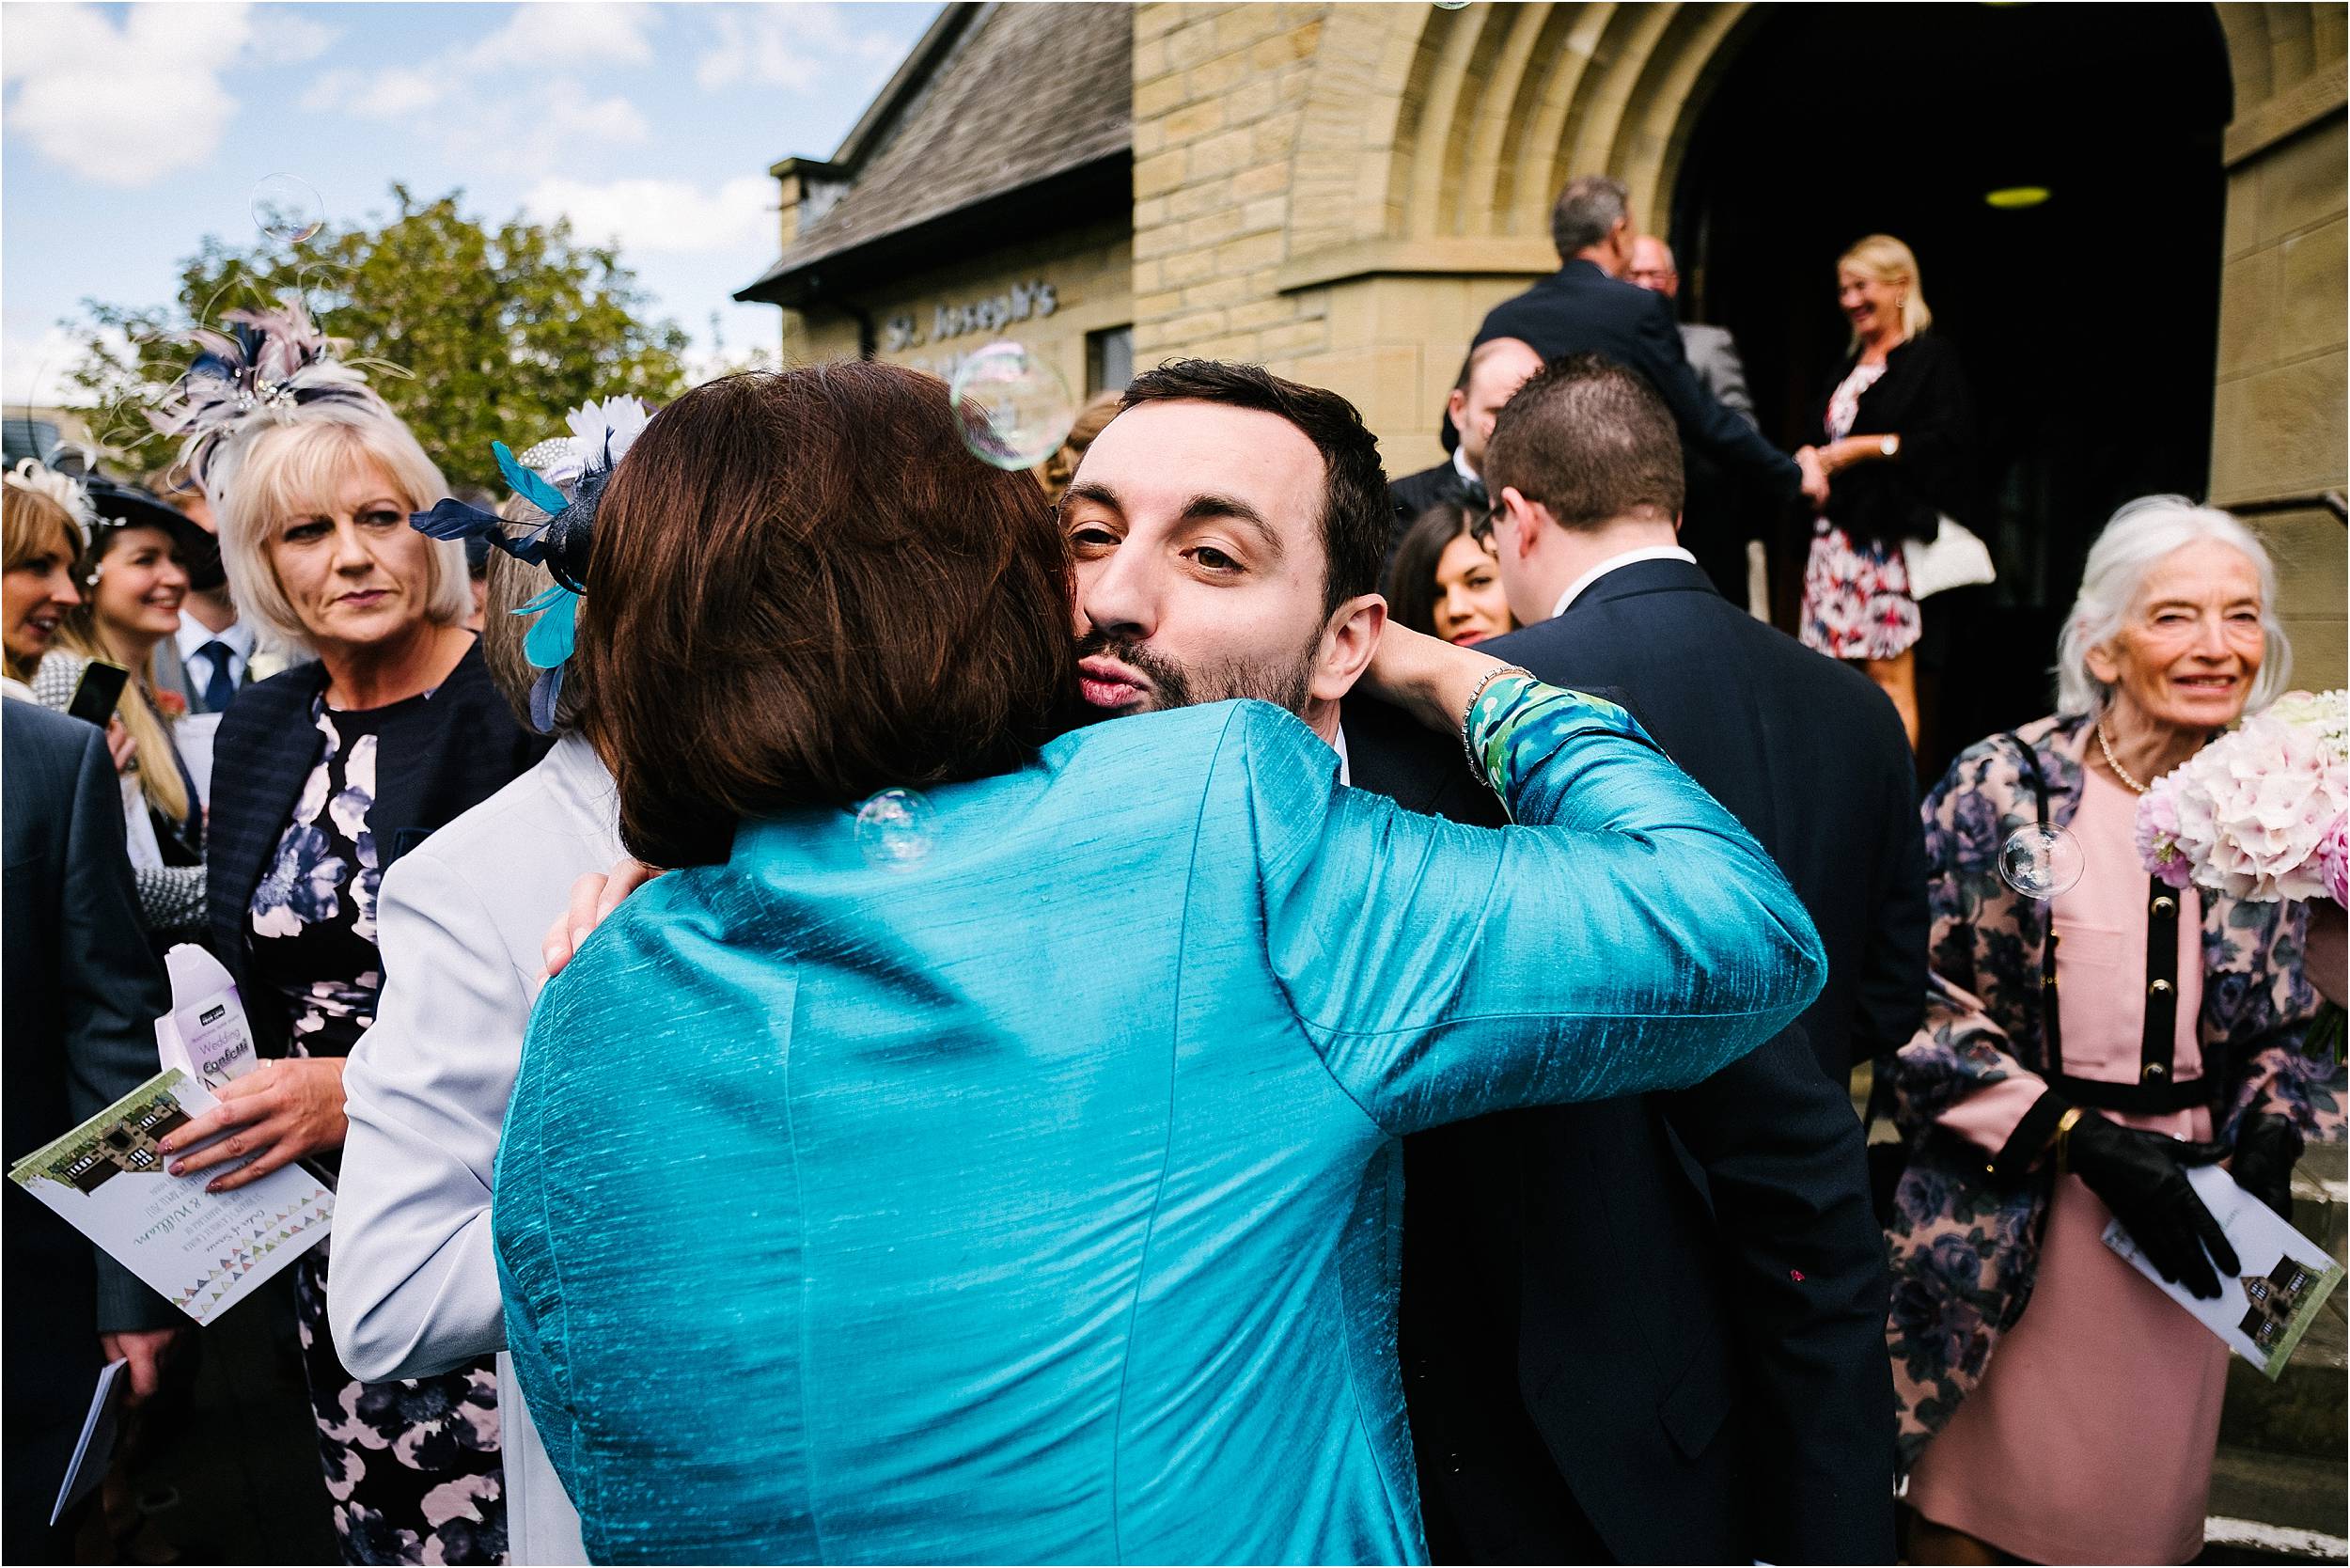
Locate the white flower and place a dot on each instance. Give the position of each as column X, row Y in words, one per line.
column 2254, row 808
column 621, row 420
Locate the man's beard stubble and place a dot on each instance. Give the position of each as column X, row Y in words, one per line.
column 1288, row 685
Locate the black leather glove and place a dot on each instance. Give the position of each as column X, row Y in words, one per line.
column 2142, row 1179
column 2267, row 1147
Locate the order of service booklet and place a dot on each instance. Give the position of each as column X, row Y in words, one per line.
column 2262, row 1312
column 202, row 1251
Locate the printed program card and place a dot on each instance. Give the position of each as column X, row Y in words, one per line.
column 202, row 1251
column 2285, row 1277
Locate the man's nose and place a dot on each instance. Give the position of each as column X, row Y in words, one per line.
column 1120, row 596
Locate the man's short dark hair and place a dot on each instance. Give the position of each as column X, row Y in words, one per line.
column 1590, row 206
column 1590, row 440
column 1356, row 515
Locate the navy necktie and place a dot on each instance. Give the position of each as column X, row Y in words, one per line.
column 218, row 687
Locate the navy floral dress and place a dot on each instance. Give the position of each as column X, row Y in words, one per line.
column 412, row 1467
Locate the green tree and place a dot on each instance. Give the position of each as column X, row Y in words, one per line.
column 473, row 333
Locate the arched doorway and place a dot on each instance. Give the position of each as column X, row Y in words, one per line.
column 2088, row 323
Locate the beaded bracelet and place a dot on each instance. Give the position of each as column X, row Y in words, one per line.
column 1469, row 743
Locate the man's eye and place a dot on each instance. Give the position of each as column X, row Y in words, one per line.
column 1215, row 560
column 1092, row 536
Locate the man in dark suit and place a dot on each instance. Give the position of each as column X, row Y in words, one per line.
column 1713, row 525
column 1654, row 1330
column 82, row 991
column 1584, row 308
column 1492, row 371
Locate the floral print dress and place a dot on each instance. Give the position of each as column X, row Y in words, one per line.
column 1856, row 602
column 412, row 1467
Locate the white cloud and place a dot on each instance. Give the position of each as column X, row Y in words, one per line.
column 499, row 131
column 578, row 32
column 33, row 369
column 396, row 92
column 657, row 216
column 123, row 104
column 785, row 46
column 283, row 36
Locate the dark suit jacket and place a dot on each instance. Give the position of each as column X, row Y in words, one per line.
column 441, row 759
column 1654, row 1330
column 1921, row 398
column 1414, row 493
column 81, row 991
column 1580, row 309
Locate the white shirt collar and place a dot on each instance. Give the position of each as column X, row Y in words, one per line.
column 192, row 634
column 1461, row 465
column 1653, row 553
column 1338, row 744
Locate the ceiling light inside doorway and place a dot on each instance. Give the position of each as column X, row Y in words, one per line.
column 2013, row 197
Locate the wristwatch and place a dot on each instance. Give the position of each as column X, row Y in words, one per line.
column 1890, row 445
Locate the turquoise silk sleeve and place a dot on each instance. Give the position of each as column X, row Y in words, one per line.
column 1627, row 936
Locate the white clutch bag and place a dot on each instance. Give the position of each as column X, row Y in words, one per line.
column 1955, row 558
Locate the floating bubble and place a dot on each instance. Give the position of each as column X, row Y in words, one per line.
column 288, row 209
column 1452, row 4
column 2041, row 862
column 895, row 829
column 1015, row 408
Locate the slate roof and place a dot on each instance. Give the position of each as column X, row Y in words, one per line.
column 996, row 98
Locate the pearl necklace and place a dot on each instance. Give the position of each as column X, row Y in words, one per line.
column 2119, row 771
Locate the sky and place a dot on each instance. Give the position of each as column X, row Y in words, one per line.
column 131, row 132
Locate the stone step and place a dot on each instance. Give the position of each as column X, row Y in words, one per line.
column 2283, row 1494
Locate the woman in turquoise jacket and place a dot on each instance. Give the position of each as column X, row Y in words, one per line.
column 1010, row 1174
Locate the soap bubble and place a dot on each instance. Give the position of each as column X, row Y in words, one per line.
column 287, row 208
column 1015, row 408
column 895, row 829
column 2041, row 862
column 1452, row 4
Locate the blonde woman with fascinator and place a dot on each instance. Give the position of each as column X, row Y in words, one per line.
column 324, row 776
column 47, row 517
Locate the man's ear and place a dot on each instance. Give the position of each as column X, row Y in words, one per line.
column 1456, row 410
column 1348, row 640
column 1525, row 520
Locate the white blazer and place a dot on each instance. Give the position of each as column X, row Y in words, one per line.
column 412, row 1287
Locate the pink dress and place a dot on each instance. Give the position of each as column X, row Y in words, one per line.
column 2091, row 1437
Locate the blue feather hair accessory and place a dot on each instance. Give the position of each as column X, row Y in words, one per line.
column 602, row 434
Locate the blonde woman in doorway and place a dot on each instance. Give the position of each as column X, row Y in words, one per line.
column 1897, row 435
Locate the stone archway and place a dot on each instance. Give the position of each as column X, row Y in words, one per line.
column 1341, row 191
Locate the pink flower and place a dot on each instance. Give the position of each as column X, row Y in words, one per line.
column 2158, row 835
column 2251, row 814
column 2335, row 854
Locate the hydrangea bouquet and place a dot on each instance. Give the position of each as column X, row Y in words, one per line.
column 2258, row 814
column 2261, row 814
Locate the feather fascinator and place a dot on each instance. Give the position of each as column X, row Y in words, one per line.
column 563, row 477
column 264, row 367
column 62, row 489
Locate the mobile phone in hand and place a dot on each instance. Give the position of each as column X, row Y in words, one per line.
column 102, row 687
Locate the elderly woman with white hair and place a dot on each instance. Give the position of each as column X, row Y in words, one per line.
column 324, row 776
column 2081, row 1052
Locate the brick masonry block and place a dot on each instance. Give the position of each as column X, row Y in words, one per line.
column 1223, row 153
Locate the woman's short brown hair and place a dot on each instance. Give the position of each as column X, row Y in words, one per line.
column 804, row 589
